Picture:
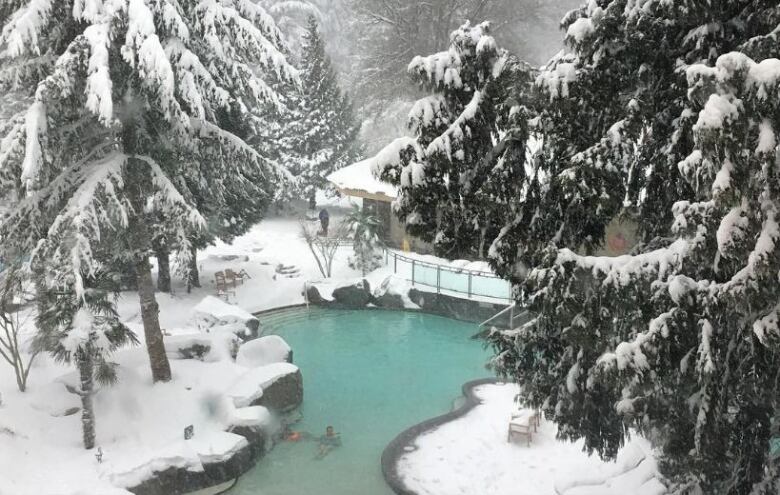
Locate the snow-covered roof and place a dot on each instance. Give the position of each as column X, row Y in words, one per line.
column 359, row 178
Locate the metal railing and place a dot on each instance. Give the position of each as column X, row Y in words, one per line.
column 472, row 283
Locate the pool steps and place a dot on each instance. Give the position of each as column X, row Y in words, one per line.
column 271, row 321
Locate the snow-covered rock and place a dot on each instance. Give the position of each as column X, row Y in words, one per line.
column 264, row 351
column 353, row 295
column 394, row 294
column 213, row 315
column 313, row 295
column 251, row 416
column 259, row 387
column 208, row 347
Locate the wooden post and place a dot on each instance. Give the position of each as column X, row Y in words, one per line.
column 412, row 272
column 438, row 279
column 469, row 285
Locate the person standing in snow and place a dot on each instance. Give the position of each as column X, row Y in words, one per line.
column 324, row 221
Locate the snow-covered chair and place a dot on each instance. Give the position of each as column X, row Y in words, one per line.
column 224, row 288
column 522, row 421
column 236, row 277
column 521, row 426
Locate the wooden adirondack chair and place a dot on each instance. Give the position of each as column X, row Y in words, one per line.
column 236, row 278
column 224, row 288
column 522, row 420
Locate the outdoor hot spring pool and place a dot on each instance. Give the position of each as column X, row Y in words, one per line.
column 370, row 374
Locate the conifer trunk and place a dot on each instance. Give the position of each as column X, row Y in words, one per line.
column 194, row 277
column 313, row 200
column 163, row 269
column 161, row 369
column 85, row 365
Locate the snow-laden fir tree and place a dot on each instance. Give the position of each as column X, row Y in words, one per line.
column 679, row 340
column 126, row 134
column 464, row 164
column 326, row 131
column 365, row 230
column 291, row 16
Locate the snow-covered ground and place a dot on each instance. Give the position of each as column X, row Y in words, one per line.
column 471, row 455
column 140, row 425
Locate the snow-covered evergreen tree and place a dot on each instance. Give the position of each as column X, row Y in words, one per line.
column 291, row 16
column 465, row 162
column 365, row 230
column 326, row 130
column 679, row 340
column 128, row 133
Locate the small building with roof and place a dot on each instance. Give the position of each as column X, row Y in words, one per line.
column 358, row 181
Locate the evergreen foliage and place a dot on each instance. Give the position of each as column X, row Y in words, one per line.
column 658, row 113
column 325, row 130
column 466, row 160
column 364, row 228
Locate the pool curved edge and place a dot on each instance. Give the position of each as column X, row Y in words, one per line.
column 398, row 446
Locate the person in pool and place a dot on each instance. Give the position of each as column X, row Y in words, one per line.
column 329, row 441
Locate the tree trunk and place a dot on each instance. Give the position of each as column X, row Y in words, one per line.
column 161, row 369
column 85, row 365
column 40, row 290
column 313, row 200
column 482, row 235
column 194, row 277
column 163, row 269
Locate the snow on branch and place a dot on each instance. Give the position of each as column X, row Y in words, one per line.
column 98, row 201
column 99, row 85
column 458, row 130
column 443, row 70
column 620, row 271
column 216, row 20
column 388, row 162
column 22, row 33
column 557, row 78
column 630, row 354
column 428, row 113
column 768, row 326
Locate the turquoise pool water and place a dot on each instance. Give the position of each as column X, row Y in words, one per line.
column 370, row 374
